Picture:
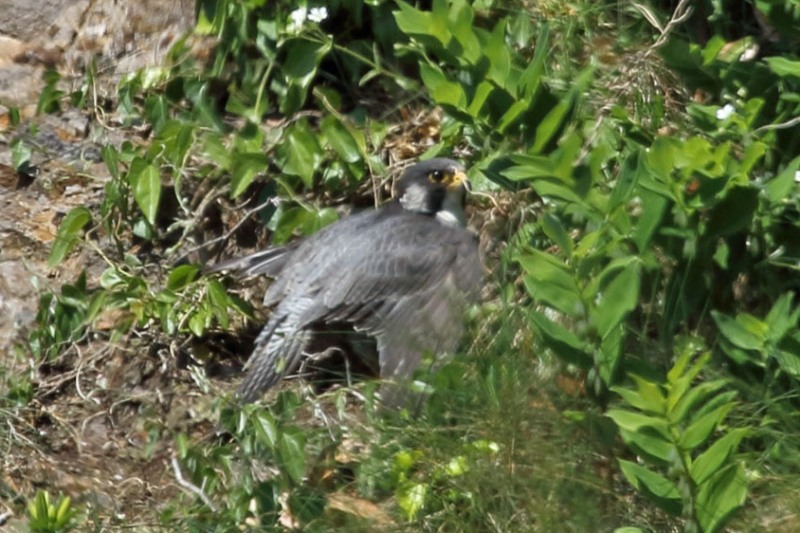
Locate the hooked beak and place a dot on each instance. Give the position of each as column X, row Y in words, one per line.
column 457, row 179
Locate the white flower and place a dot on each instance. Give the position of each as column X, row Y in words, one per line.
column 797, row 176
column 318, row 14
column 750, row 53
column 725, row 112
column 298, row 17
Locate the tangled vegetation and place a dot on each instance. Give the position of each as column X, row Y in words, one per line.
column 635, row 363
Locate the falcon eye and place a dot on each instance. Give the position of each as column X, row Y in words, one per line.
column 437, row 175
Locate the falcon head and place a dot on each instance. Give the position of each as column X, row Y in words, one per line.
column 437, row 187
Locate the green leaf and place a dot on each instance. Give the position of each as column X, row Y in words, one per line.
column 617, row 299
column 648, row 397
column 789, row 361
column 304, row 153
column 442, row 90
column 553, row 228
column 67, row 234
column 411, row 498
column 783, row 67
column 302, row 59
column 244, row 169
column 651, row 444
column 548, row 280
column 219, row 302
column 643, row 478
column 779, row 187
column 293, row 456
column 531, row 77
column 549, row 126
column 725, row 492
column 181, row 276
column 145, row 181
column 737, row 333
column 633, row 422
column 20, row 155
column 342, row 140
column 413, row 21
column 682, row 406
column 716, row 455
column 700, row 430
column 782, row 319
column 563, row 342
column 198, row 321
column 265, row 429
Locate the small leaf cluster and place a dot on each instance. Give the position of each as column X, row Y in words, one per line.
column 47, row 516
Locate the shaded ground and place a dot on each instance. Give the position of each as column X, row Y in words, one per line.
column 99, row 410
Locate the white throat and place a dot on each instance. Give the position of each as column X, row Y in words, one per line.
column 451, row 213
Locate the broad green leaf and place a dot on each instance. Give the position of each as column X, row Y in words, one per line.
column 513, row 113
column 199, row 321
column 608, row 358
column 529, row 167
column 145, row 181
column 783, row 67
column 700, row 429
column 681, row 401
column 216, row 151
column 648, row 396
column 548, row 280
column 551, row 123
column 341, row 139
column 267, row 432
column 461, row 22
column 626, row 181
column 661, row 158
column 413, row 21
column 304, row 153
column 617, row 299
column 181, row 276
column 219, row 301
column 319, row 219
column 67, row 234
column 481, row 94
column 553, row 228
column 561, row 340
column 716, row 455
column 555, row 189
column 779, row 187
column 633, row 422
column 244, row 169
column 725, row 492
column 302, row 59
column 737, row 333
column 653, row 208
column 651, row 444
column 442, row 90
column 641, row 477
column 293, row 454
column 531, row 77
column 497, row 52
column 789, row 361
column 411, row 498
column 782, row 318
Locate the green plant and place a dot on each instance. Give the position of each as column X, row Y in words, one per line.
column 677, row 430
column 46, row 516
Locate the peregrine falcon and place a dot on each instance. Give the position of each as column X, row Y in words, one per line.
column 401, row 275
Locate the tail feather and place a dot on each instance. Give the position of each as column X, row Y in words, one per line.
column 279, row 349
column 268, row 262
